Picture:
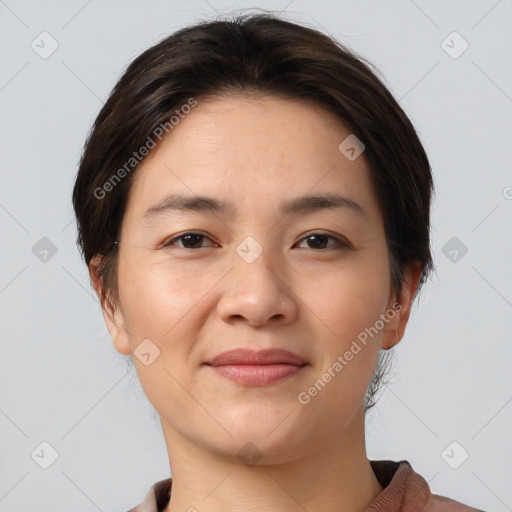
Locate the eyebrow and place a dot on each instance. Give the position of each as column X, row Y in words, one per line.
column 203, row 204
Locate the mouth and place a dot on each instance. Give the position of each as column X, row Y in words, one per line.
column 257, row 375
column 257, row 368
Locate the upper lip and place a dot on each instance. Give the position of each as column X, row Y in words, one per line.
column 249, row 356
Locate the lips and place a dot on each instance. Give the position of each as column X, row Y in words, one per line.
column 244, row 356
column 257, row 368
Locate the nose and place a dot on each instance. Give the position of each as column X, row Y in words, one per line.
column 257, row 293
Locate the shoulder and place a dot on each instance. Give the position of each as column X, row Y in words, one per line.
column 441, row 504
column 402, row 485
column 157, row 497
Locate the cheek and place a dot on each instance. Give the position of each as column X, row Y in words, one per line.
column 350, row 298
column 348, row 344
column 156, row 296
column 165, row 307
column 349, row 308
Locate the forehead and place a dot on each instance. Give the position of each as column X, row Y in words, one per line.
column 249, row 151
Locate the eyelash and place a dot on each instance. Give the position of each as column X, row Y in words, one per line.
column 339, row 243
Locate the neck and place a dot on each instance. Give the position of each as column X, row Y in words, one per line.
column 335, row 476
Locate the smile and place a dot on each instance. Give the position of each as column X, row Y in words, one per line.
column 257, row 374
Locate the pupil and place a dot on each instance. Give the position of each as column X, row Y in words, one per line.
column 324, row 237
column 193, row 240
column 187, row 238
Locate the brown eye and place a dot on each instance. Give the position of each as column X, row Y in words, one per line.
column 189, row 241
column 320, row 240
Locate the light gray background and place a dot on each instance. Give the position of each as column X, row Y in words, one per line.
column 62, row 382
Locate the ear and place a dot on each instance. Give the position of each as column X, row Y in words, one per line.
column 402, row 306
column 112, row 314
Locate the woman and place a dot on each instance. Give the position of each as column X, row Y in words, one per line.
column 253, row 207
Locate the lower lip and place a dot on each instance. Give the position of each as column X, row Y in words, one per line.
column 257, row 374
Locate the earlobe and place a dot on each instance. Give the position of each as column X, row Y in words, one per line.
column 402, row 304
column 390, row 339
column 115, row 325
column 94, row 276
column 112, row 315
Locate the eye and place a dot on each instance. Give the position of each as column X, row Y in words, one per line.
column 319, row 240
column 190, row 240
column 193, row 240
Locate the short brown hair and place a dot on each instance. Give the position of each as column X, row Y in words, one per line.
column 266, row 54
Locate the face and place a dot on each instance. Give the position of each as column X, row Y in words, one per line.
column 255, row 274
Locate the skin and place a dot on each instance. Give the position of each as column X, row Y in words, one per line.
column 310, row 298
